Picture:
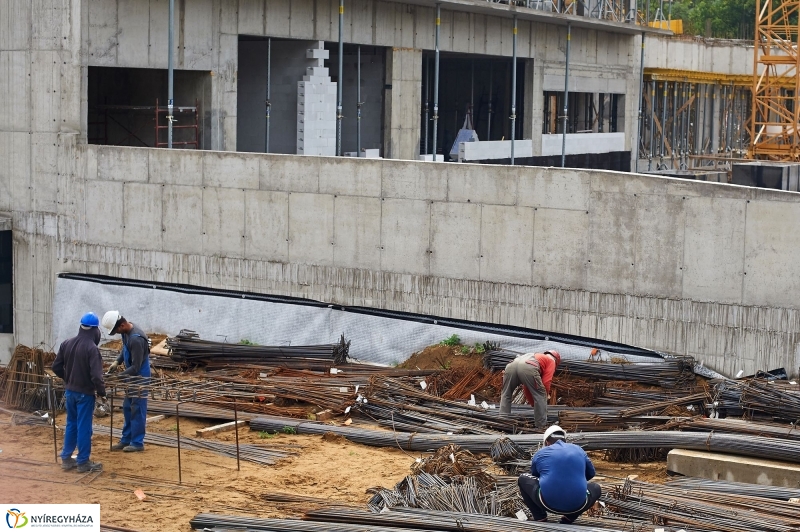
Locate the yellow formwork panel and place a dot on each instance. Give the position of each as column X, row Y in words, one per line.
column 675, row 26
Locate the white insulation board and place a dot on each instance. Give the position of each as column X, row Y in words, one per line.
column 375, row 339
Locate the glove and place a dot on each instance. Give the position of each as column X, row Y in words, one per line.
column 113, row 367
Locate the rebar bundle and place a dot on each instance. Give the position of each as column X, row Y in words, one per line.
column 188, row 348
column 734, row 488
column 24, row 382
column 768, row 448
column 257, row 454
column 669, row 372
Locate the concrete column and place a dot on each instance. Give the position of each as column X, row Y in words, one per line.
column 534, row 104
column 403, row 101
column 528, row 102
column 631, row 104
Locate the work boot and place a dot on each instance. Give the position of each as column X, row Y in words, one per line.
column 566, row 520
column 89, row 466
column 119, row 446
column 133, row 449
column 68, row 463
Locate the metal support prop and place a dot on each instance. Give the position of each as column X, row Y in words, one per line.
column 51, row 398
column 269, row 88
column 513, row 88
column 427, row 100
column 641, row 103
column 663, row 146
column 651, row 151
column 436, row 78
column 170, row 72
column 111, row 421
column 675, row 117
column 340, row 81
column 491, row 81
column 178, row 434
column 359, row 102
column 712, row 128
column 236, row 428
column 566, row 100
column 696, row 136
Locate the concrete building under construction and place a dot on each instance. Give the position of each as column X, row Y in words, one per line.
column 255, row 199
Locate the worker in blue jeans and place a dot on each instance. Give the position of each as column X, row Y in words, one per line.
column 80, row 365
column 135, row 356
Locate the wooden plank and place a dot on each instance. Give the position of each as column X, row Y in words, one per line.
column 154, row 419
column 160, row 349
column 216, row 429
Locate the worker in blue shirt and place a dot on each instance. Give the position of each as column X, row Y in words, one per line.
column 135, row 356
column 559, row 479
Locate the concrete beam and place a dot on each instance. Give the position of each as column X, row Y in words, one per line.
column 716, row 466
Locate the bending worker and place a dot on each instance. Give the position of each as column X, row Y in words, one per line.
column 135, row 356
column 534, row 371
column 79, row 363
column 558, row 481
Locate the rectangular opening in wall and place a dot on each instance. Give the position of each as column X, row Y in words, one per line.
column 587, row 112
column 478, row 86
column 283, row 63
column 128, row 107
column 6, row 284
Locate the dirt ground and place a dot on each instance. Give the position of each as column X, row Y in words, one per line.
column 443, row 357
column 328, row 468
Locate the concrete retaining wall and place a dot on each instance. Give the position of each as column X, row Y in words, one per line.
column 685, row 267
column 700, row 55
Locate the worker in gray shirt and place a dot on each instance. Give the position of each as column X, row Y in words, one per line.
column 135, row 356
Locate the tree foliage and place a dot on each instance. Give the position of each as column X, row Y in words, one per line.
column 729, row 19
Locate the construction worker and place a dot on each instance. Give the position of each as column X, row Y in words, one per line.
column 135, row 356
column 534, row 371
column 80, row 365
column 559, row 479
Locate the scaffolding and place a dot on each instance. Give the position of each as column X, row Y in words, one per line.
column 776, row 85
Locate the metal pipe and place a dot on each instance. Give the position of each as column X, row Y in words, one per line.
column 427, row 99
column 695, row 137
column 491, row 82
column 269, row 83
column 566, row 99
column 170, row 72
column 641, row 102
column 340, row 81
column 513, row 88
column 436, row 79
column 358, row 98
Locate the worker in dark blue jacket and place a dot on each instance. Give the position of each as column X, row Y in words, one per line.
column 135, row 356
column 79, row 364
column 558, row 481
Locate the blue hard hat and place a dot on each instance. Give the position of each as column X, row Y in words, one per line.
column 90, row 319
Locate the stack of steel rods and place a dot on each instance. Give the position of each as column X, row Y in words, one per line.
column 734, row 488
column 771, row 398
column 740, row 426
column 248, row 452
column 702, row 510
column 187, row 347
column 24, row 382
column 769, row 448
column 670, row 372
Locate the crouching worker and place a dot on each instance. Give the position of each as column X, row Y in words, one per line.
column 558, row 481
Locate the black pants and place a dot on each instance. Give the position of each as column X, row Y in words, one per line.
column 529, row 490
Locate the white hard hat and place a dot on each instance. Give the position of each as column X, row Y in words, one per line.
column 553, row 430
column 110, row 319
